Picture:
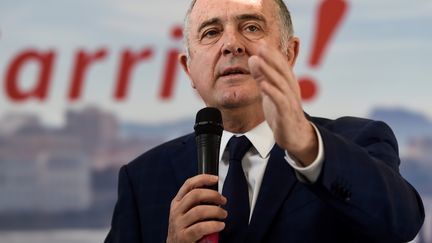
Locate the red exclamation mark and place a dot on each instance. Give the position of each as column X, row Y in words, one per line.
column 329, row 16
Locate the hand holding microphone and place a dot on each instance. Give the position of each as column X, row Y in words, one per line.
column 195, row 213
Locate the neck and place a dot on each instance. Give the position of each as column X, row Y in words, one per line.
column 242, row 119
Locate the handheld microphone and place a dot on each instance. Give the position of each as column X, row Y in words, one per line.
column 208, row 132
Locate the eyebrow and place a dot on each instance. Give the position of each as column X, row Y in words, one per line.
column 241, row 17
column 258, row 17
column 208, row 22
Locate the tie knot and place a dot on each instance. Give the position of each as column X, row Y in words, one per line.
column 237, row 147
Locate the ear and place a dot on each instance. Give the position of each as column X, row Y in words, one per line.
column 183, row 59
column 293, row 50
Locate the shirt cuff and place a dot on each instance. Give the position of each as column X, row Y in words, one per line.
column 310, row 173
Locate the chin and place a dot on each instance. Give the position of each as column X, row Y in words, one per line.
column 238, row 99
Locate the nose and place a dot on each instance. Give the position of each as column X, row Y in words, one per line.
column 233, row 49
column 232, row 45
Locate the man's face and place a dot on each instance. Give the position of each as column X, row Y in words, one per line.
column 223, row 35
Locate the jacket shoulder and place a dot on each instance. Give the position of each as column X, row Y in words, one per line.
column 160, row 155
column 358, row 130
column 350, row 124
column 350, row 121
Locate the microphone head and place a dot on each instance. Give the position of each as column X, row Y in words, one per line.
column 208, row 121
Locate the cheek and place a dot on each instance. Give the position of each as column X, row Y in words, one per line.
column 202, row 71
column 201, row 77
column 201, row 80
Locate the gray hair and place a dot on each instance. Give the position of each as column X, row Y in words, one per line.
column 285, row 25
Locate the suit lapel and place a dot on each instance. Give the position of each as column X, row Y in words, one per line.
column 185, row 163
column 278, row 181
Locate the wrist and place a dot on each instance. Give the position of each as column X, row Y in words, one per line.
column 306, row 150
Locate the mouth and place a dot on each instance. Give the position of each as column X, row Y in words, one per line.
column 233, row 71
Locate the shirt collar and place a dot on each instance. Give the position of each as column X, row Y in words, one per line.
column 260, row 136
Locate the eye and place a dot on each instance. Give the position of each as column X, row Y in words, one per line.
column 252, row 28
column 210, row 33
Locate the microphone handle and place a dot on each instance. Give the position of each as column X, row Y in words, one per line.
column 211, row 238
column 208, row 154
column 208, row 163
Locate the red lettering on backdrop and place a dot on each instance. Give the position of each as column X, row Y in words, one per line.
column 171, row 65
column 128, row 62
column 40, row 89
column 82, row 62
column 331, row 10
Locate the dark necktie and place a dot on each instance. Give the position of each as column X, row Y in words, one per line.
column 235, row 189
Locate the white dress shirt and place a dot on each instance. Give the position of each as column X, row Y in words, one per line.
column 255, row 160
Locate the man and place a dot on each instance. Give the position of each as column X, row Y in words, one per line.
column 309, row 179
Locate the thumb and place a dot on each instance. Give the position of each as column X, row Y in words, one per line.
column 254, row 64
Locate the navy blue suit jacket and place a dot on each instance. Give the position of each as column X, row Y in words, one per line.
column 359, row 197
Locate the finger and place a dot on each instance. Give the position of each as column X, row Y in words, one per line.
column 199, row 230
column 200, row 196
column 275, row 59
column 281, row 102
column 195, row 182
column 261, row 72
column 203, row 213
column 287, row 76
column 288, row 87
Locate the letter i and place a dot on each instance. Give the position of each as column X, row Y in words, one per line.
column 171, row 65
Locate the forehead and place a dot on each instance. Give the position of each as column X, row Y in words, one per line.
column 225, row 9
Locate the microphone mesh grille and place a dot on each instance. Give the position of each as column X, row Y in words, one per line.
column 208, row 120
